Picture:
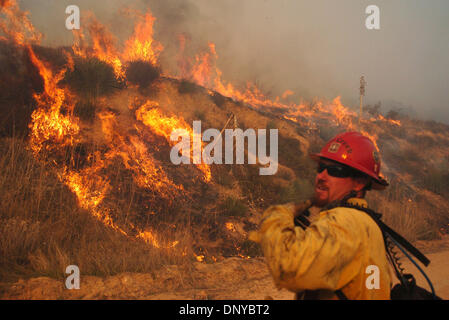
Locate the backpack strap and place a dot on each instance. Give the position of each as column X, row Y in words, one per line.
column 341, row 295
column 391, row 233
column 403, row 245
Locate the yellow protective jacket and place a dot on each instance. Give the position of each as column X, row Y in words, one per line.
column 335, row 252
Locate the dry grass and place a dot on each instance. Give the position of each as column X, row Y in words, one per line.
column 43, row 230
column 412, row 218
column 437, row 180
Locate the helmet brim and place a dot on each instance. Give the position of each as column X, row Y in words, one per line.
column 378, row 182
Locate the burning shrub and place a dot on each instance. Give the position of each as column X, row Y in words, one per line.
column 91, row 78
column 56, row 56
column 142, row 73
column 43, row 228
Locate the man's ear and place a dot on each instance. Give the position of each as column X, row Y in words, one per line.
column 360, row 183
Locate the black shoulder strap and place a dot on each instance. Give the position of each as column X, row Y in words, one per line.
column 302, row 220
column 341, row 295
column 393, row 234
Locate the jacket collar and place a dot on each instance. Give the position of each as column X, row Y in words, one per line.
column 358, row 202
column 349, row 200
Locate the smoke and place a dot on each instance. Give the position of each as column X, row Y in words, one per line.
column 316, row 49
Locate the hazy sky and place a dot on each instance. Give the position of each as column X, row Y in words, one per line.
column 316, row 48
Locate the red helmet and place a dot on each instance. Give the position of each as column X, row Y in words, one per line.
column 356, row 151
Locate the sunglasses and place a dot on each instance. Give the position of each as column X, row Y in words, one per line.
column 335, row 170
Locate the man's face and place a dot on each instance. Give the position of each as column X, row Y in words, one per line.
column 329, row 188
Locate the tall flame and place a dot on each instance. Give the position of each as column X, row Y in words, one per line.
column 141, row 45
column 47, row 121
column 16, row 25
column 103, row 44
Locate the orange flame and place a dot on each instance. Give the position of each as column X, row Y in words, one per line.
column 141, row 45
column 199, row 258
column 47, row 122
column 395, row 122
column 103, row 45
column 150, row 238
column 373, row 138
column 135, row 157
column 16, row 26
column 230, row 226
column 151, row 116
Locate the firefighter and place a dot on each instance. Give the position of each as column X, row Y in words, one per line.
column 340, row 255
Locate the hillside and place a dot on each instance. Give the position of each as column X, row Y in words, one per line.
column 114, row 159
column 87, row 177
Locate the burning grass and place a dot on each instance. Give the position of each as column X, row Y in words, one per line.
column 44, row 230
column 98, row 189
column 411, row 216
